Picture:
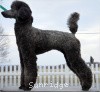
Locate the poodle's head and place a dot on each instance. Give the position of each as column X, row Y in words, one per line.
column 19, row 10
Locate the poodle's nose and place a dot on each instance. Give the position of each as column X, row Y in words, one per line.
column 3, row 13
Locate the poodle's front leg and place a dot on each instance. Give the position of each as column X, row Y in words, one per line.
column 22, row 71
column 30, row 72
column 30, row 66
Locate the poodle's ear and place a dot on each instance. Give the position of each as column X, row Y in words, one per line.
column 24, row 13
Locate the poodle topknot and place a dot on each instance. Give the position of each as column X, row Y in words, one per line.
column 32, row 41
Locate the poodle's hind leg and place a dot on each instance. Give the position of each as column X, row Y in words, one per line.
column 78, row 66
column 69, row 65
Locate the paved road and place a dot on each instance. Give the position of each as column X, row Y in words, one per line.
column 47, row 88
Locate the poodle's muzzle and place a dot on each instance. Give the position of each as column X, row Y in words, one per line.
column 9, row 14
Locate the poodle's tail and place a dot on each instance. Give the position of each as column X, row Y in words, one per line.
column 72, row 22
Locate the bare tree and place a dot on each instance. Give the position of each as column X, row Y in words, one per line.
column 3, row 45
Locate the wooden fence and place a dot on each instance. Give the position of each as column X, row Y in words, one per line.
column 61, row 74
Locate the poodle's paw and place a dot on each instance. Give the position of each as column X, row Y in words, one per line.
column 22, row 87
column 27, row 89
column 85, row 87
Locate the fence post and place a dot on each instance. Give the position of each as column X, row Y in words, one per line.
column 61, row 70
column 10, row 79
column 19, row 74
column 92, row 68
column 6, row 77
column 53, row 76
column 66, row 74
column 49, row 75
column 97, row 77
column 14, row 75
column 40, row 76
column 57, row 67
column 44, row 71
column 2, row 83
column 2, row 76
column 76, row 83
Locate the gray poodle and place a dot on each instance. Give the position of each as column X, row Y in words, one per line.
column 32, row 41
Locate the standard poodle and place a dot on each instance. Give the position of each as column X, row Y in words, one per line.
column 32, row 41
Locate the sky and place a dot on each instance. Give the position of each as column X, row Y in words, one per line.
column 53, row 15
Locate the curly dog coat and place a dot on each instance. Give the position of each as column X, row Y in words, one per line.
column 32, row 41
